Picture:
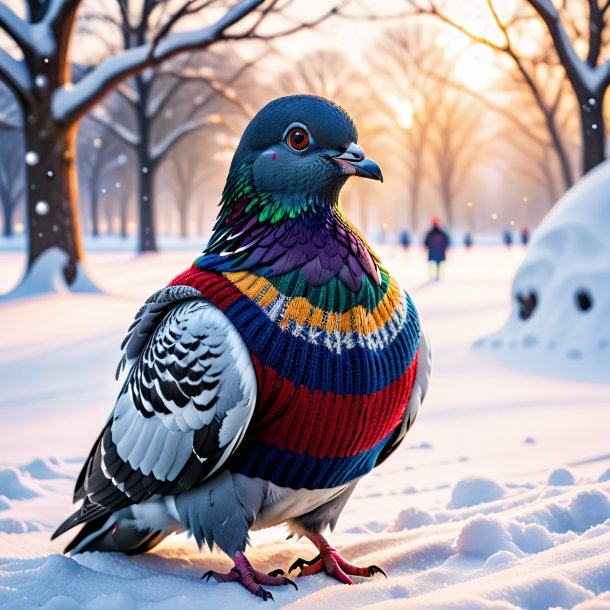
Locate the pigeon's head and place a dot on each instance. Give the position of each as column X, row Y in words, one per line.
column 302, row 145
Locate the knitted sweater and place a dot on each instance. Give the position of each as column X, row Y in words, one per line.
column 334, row 368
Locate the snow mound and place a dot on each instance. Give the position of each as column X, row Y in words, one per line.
column 604, row 476
column 10, row 525
column 561, row 293
column 600, row 602
column 412, row 518
column 561, row 476
column 46, row 276
column 4, row 503
column 588, row 509
column 15, row 486
column 482, row 536
column 50, row 468
column 473, row 490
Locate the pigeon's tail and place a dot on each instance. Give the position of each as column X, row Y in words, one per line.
column 110, row 532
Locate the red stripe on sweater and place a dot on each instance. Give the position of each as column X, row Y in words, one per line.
column 209, row 284
column 325, row 425
column 304, row 421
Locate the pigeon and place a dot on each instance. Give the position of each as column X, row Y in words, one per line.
column 262, row 383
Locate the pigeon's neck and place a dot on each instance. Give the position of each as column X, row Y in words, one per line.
column 273, row 234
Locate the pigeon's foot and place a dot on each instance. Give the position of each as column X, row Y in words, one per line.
column 330, row 560
column 250, row 578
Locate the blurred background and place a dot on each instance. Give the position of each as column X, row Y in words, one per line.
column 471, row 109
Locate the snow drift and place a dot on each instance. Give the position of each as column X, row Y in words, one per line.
column 499, row 498
column 561, row 293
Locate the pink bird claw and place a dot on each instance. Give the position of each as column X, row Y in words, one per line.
column 264, row 594
column 331, row 561
column 376, row 570
column 278, row 572
column 300, row 563
column 251, row 579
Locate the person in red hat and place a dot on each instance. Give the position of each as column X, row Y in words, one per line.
column 437, row 242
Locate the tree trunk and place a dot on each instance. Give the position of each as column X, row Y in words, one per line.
column 593, row 131
column 147, row 241
column 414, row 188
column 95, row 212
column 123, row 202
column 147, row 236
column 183, row 216
column 109, row 219
column 447, row 204
column 52, row 191
column 7, row 209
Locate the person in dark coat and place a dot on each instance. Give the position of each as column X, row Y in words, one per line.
column 525, row 236
column 405, row 239
column 437, row 242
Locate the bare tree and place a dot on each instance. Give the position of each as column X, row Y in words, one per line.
column 324, row 72
column 11, row 163
column 186, row 170
column 101, row 157
column 457, row 142
column 11, row 177
column 588, row 75
column 433, row 129
column 408, row 98
column 162, row 107
column 38, row 75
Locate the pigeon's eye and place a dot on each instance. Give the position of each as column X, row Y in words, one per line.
column 298, row 139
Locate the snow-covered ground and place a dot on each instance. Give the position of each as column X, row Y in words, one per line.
column 499, row 498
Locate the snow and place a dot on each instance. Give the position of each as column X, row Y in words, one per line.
column 46, row 276
column 499, row 498
column 564, row 286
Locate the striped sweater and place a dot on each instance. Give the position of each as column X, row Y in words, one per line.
column 334, row 368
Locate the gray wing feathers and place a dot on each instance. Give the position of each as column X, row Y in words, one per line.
column 194, row 373
column 147, row 319
column 183, row 409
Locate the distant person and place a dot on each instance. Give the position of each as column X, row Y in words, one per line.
column 437, row 242
column 405, row 239
column 525, row 236
column 507, row 237
column 468, row 240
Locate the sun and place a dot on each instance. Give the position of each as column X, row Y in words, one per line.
column 475, row 67
column 404, row 114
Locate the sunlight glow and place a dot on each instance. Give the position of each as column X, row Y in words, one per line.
column 475, row 67
column 404, row 114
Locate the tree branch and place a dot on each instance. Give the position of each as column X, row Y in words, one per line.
column 581, row 75
column 161, row 149
column 121, row 132
column 59, row 10
column 252, row 34
column 15, row 27
column 15, row 75
column 69, row 104
column 433, row 10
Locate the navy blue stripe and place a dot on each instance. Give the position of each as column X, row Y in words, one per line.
column 288, row 469
column 358, row 370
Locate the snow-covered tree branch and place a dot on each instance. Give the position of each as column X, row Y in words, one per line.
column 71, row 103
column 40, row 79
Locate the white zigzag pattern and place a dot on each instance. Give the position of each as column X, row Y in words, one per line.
column 336, row 341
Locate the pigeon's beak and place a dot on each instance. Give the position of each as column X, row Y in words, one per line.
column 355, row 163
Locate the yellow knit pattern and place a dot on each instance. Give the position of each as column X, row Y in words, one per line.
column 287, row 309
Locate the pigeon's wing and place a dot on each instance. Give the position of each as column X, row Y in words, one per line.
column 184, row 408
